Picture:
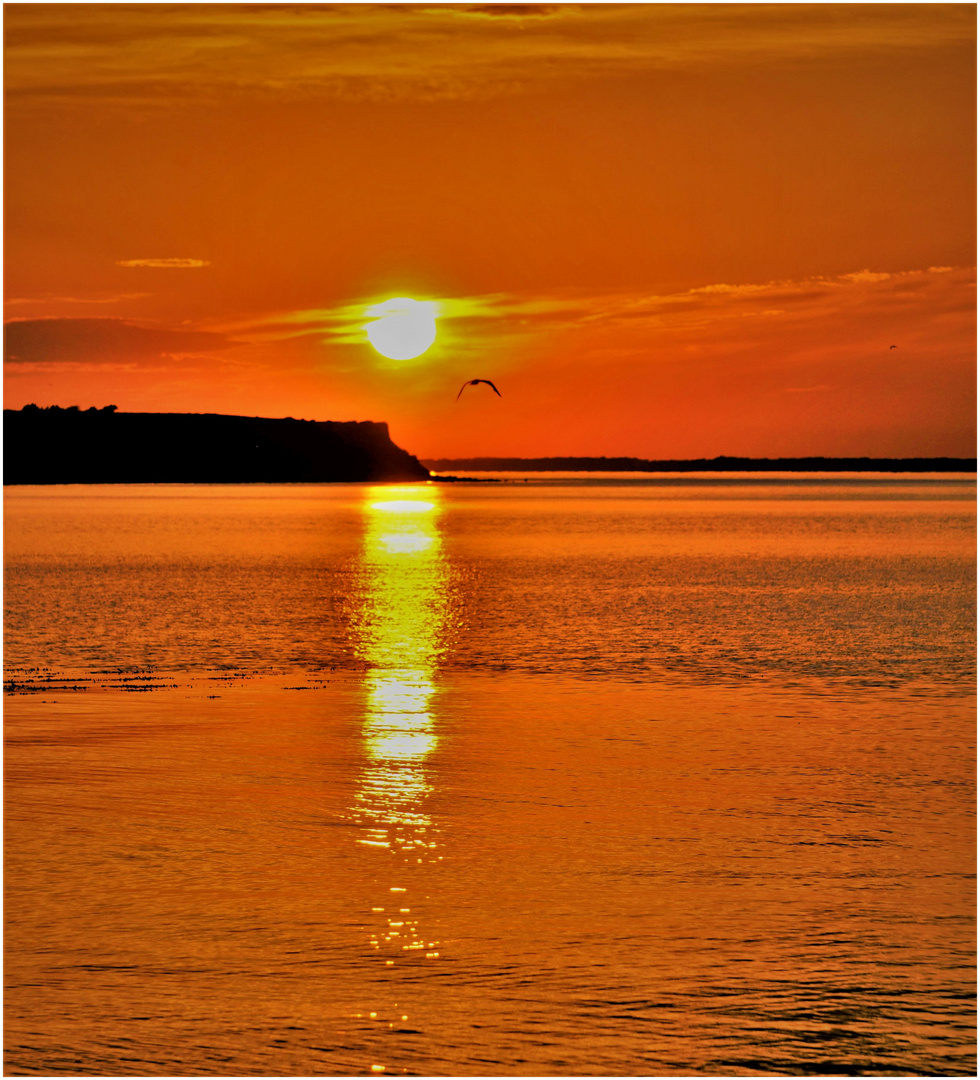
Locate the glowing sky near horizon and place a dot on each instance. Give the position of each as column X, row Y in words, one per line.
column 661, row 230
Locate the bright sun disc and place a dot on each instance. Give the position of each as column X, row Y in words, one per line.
column 403, row 328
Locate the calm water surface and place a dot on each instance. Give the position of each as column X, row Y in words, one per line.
column 575, row 776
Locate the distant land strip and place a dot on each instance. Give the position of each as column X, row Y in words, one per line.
column 716, row 464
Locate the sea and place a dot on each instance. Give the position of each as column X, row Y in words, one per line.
column 555, row 775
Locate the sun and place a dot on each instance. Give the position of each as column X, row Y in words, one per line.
column 402, row 328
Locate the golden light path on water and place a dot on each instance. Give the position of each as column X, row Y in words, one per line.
column 398, row 629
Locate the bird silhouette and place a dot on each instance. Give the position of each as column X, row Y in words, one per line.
column 473, row 382
column 892, row 346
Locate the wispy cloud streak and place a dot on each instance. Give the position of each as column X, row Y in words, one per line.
column 165, row 264
column 28, row 341
column 171, row 53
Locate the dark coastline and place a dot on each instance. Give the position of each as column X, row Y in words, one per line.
column 717, row 464
column 102, row 446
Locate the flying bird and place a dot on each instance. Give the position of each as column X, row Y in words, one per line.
column 892, row 346
column 473, row 382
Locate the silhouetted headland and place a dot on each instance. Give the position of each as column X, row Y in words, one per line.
column 103, row 446
column 717, row 464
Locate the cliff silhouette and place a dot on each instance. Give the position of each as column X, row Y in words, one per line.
column 103, row 446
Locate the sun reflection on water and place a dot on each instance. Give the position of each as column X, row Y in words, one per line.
column 398, row 723
column 400, row 623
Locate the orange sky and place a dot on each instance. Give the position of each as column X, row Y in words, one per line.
column 661, row 230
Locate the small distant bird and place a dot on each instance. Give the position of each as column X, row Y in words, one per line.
column 473, row 382
column 892, row 346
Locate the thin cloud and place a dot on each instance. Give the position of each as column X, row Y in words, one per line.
column 865, row 275
column 805, row 299
column 30, row 341
column 101, row 298
column 165, row 264
column 167, row 54
column 514, row 11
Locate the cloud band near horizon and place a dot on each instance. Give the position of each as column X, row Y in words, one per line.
column 30, row 341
